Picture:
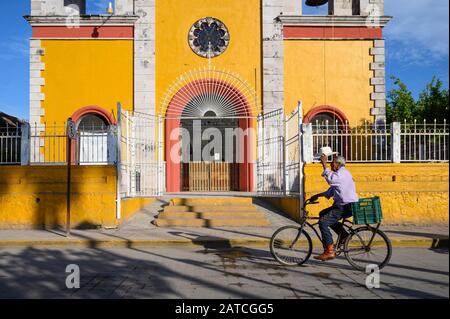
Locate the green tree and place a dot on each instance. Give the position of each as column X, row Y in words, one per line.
column 401, row 105
column 433, row 102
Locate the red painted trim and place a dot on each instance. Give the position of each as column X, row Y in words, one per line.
column 173, row 165
column 295, row 32
column 78, row 115
column 90, row 32
column 340, row 116
column 104, row 114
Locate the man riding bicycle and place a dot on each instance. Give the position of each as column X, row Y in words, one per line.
column 343, row 190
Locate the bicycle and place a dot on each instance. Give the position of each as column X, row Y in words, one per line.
column 292, row 245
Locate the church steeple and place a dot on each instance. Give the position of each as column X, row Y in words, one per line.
column 58, row 7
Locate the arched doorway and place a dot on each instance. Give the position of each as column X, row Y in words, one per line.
column 208, row 139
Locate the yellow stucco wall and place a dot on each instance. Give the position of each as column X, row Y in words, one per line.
column 174, row 57
column 80, row 73
column 130, row 206
column 325, row 72
column 35, row 196
column 410, row 193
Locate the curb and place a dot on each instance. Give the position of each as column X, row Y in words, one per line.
column 433, row 243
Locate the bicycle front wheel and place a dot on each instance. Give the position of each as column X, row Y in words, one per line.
column 365, row 247
column 291, row 247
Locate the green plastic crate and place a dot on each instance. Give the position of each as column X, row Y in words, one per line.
column 367, row 211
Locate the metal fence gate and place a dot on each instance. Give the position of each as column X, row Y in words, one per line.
column 141, row 170
column 271, row 162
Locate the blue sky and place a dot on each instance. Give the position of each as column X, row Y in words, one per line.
column 417, row 46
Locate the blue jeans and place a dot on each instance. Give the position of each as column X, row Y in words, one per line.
column 329, row 218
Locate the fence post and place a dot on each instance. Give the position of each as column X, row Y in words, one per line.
column 307, row 143
column 25, row 145
column 112, row 147
column 118, row 164
column 396, row 142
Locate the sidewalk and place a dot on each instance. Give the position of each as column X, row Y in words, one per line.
column 139, row 231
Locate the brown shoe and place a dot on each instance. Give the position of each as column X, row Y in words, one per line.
column 328, row 254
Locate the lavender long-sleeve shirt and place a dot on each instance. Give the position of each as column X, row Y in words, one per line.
column 342, row 186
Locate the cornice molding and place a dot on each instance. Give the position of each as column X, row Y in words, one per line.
column 330, row 21
column 86, row 20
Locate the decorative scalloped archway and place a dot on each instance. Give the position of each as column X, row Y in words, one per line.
column 196, row 99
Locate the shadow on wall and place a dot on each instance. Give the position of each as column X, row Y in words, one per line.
column 35, row 197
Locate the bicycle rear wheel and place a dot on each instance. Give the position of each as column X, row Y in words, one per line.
column 288, row 248
column 360, row 254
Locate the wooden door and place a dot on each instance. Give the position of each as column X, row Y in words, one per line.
column 210, row 177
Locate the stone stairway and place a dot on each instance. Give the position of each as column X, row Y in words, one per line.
column 211, row 212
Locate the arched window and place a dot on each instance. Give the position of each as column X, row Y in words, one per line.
column 329, row 125
column 324, row 120
column 321, row 114
column 92, row 140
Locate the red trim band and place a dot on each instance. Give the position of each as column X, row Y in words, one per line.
column 340, row 116
column 295, row 32
column 88, row 32
column 104, row 114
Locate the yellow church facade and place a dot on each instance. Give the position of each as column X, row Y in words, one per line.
column 209, row 103
column 134, row 55
column 170, row 58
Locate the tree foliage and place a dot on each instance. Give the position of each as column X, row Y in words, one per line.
column 433, row 103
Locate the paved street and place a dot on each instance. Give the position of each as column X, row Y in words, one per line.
column 199, row 272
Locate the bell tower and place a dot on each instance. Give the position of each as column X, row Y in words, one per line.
column 356, row 7
column 355, row 28
column 57, row 7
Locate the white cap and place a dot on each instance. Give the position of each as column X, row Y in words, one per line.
column 328, row 151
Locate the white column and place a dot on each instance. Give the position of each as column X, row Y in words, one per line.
column 396, row 142
column 273, row 56
column 307, row 143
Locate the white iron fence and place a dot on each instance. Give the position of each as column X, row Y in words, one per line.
column 93, row 145
column 48, row 144
column 42, row 144
column 284, row 145
column 141, row 169
column 383, row 143
column 10, row 144
column 271, row 160
column 292, row 151
column 424, row 142
column 367, row 143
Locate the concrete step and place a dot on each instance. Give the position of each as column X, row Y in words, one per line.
column 216, row 222
column 211, row 215
column 210, row 208
column 211, row 201
column 211, row 212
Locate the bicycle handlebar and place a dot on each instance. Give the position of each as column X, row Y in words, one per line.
column 309, row 202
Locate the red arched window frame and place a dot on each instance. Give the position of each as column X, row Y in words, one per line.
column 108, row 117
column 337, row 113
column 339, row 116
